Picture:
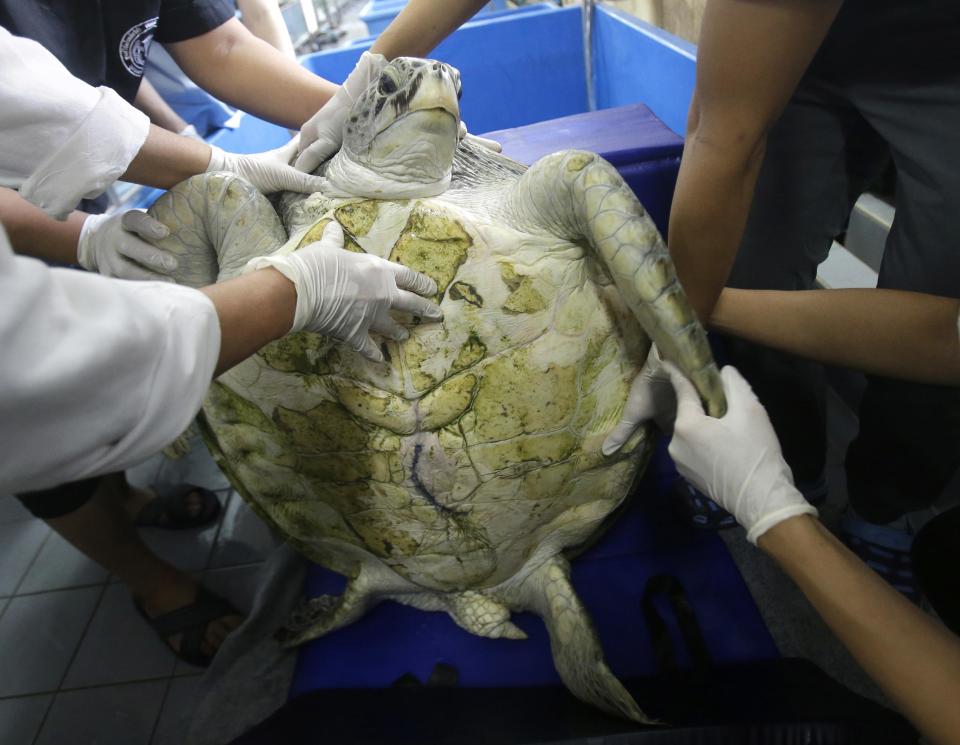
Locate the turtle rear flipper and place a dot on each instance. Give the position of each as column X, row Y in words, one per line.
column 319, row 616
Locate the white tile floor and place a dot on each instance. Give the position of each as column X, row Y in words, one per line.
column 77, row 663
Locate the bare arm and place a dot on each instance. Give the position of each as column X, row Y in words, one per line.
column 750, row 59
column 166, row 159
column 234, row 65
column 34, row 233
column 265, row 21
column 912, row 657
column 152, row 104
column 893, row 333
column 254, row 310
column 423, row 24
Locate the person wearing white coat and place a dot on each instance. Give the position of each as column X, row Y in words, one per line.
column 97, row 373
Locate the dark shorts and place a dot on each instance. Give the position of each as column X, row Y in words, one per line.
column 48, row 504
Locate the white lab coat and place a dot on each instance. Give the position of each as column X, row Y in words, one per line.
column 60, row 139
column 96, row 374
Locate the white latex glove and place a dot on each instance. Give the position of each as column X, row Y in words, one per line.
column 651, row 397
column 736, row 459
column 464, row 134
column 322, row 134
column 118, row 245
column 347, row 295
column 268, row 172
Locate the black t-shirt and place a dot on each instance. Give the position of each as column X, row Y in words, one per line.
column 892, row 40
column 106, row 42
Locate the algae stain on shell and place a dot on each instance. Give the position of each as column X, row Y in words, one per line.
column 433, row 243
column 358, row 217
column 315, row 233
column 471, row 352
column 516, row 397
column 325, row 428
column 303, row 353
column 466, row 292
column 524, row 297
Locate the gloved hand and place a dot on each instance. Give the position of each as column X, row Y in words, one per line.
column 268, row 172
column 322, row 134
column 736, row 459
column 118, row 245
column 651, row 397
column 347, row 295
column 464, row 134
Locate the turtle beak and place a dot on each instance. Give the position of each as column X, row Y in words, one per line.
column 440, row 89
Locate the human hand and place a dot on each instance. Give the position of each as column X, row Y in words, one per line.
column 347, row 295
column 322, row 134
column 118, row 245
column 735, row 459
column 651, row 397
column 269, row 171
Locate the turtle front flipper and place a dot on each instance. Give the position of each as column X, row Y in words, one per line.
column 579, row 196
column 217, row 223
column 577, row 654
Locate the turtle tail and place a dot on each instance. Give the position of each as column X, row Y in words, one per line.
column 580, row 196
column 217, row 222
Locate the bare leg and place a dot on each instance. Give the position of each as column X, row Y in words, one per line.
column 101, row 529
column 133, row 499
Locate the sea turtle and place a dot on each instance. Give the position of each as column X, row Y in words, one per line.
column 459, row 474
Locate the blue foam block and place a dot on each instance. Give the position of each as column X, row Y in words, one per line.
column 644, row 150
column 392, row 639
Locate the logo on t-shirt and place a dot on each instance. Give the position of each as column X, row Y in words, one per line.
column 134, row 46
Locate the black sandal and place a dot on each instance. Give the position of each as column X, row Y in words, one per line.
column 171, row 510
column 191, row 621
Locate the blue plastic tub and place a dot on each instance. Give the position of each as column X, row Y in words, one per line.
column 517, row 67
column 526, row 66
column 378, row 15
column 486, row 14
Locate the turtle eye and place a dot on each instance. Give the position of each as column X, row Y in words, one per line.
column 387, row 84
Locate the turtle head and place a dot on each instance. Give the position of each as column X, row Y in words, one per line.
column 403, row 127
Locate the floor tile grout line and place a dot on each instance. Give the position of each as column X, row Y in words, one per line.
column 86, row 630
column 163, row 702
column 75, row 689
column 43, row 720
column 33, row 561
column 34, row 593
column 231, row 494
